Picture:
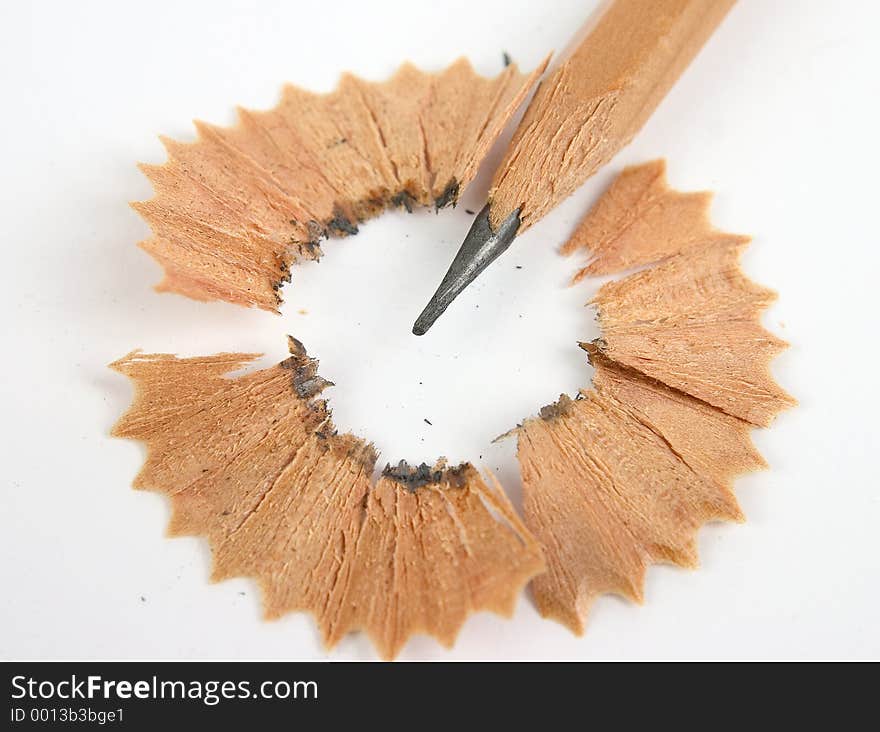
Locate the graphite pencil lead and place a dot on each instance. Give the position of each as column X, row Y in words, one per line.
column 482, row 246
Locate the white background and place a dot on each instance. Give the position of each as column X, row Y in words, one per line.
column 778, row 115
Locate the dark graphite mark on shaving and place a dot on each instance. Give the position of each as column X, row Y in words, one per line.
column 316, row 166
column 265, row 473
column 619, row 477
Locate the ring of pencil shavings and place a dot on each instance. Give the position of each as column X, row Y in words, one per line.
column 626, row 474
column 617, row 479
column 254, row 464
column 234, row 211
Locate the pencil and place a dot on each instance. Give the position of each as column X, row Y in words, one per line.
column 590, row 107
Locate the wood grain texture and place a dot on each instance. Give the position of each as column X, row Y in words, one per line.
column 598, row 99
column 254, row 464
column 235, row 210
column 641, row 220
column 625, row 475
column 694, row 323
column 621, row 478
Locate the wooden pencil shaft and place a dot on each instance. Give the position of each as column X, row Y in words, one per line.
column 598, row 99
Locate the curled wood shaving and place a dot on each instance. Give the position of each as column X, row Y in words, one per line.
column 620, row 478
column 254, row 464
column 693, row 322
column 235, row 210
column 640, row 220
column 626, row 474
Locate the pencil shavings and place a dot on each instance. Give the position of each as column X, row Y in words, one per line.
column 641, row 220
column 620, row 478
column 625, row 475
column 234, row 211
column 693, row 323
column 254, row 464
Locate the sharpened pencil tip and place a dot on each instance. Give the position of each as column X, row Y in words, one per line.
column 480, row 248
column 426, row 319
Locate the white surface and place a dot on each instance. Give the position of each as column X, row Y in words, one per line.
column 778, row 114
